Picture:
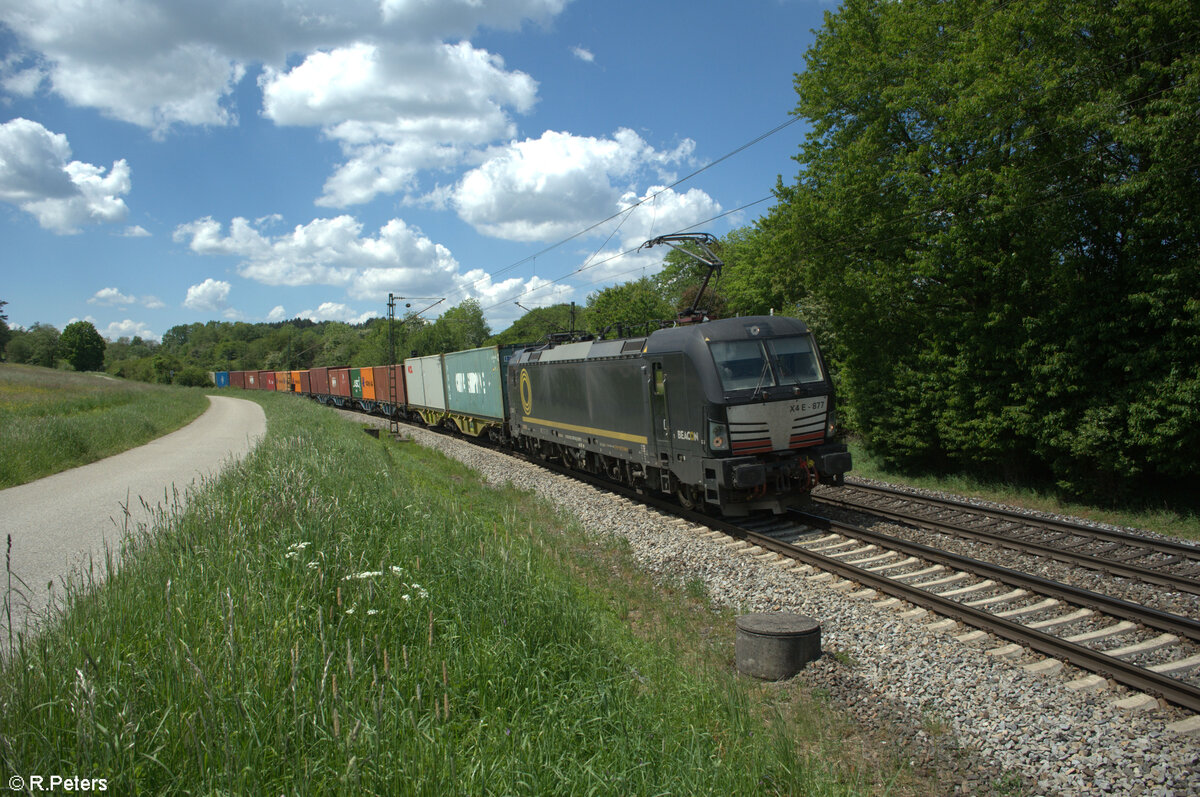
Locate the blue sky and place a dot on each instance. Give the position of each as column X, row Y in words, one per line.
column 171, row 162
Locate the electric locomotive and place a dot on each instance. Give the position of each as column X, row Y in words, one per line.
column 734, row 415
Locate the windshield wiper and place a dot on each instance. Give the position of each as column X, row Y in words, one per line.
column 761, row 379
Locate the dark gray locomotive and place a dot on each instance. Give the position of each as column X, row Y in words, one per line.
column 733, row 415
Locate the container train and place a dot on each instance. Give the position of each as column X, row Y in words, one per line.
column 731, row 416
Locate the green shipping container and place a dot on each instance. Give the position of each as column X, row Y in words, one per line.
column 356, row 383
column 475, row 382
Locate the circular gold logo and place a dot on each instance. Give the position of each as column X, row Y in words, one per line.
column 526, row 393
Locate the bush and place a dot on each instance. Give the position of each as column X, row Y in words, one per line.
column 193, row 377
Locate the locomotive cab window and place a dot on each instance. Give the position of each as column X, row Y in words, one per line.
column 796, row 360
column 742, row 364
column 756, row 364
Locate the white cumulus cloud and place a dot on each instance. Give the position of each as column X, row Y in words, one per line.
column 553, row 186
column 210, row 295
column 398, row 258
column 397, row 110
column 336, row 311
column 37, row 176
column 395, row 82
column 111, row 296
column 129, row 329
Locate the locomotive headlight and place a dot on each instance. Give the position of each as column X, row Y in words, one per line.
column 831, row 426
column 718, row 436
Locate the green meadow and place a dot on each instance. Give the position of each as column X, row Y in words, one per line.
column 54, row 420
column 340, row 614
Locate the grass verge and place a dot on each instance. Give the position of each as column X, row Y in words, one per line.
column 51, row 420
column 340, row 614
column 1172, row 521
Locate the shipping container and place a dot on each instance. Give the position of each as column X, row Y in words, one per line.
column 253, row 382
column 389, row 383
column 238, row 379
column 356, row 383
column 319, row 381
column 368, row 383
column 339, row 382
column 266, row 380
column 423, row 382
column 294, row 381
column 475, row 383
column 282, row 378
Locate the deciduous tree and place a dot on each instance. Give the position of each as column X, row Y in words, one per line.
column 995, row 216
column 82, row 346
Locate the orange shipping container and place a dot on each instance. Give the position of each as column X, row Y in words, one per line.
column 368, row 383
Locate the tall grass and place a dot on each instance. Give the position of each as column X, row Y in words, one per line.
column 346, row 615
column 54, row 420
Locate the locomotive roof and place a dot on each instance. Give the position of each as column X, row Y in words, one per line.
column 754, row 326
column 681, row 338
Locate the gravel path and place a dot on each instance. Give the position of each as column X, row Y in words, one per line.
column 985, row 725
column 57, row 523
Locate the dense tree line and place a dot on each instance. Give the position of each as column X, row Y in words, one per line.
column 995, row 225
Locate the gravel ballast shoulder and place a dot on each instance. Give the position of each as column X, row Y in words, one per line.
column 985, row 724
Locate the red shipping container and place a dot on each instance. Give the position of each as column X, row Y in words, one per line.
column 319, row 381
column 339, row 382
column 383, row 387
column 305, row 386
column 266, row 380
column 238, row 379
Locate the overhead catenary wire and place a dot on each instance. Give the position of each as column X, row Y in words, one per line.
column 939, row 38
column 737, row 150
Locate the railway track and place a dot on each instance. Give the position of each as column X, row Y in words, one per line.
column 1145, row 649
column 1164, row 562
column 1151, row 651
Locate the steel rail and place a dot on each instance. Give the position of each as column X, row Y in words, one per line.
column 1091, row 561
column 1159, row 545
column 1127, row 610
column 1171, row 689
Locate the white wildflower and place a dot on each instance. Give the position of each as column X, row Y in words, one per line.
column 365, row 574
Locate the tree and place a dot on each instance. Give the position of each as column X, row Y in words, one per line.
column 42, row 340
column 540, row 322
column 995, row 219
column 636, row 307
column 81, row 345
column 468, row 326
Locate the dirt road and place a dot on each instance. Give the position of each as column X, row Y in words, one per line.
column 55, row 523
